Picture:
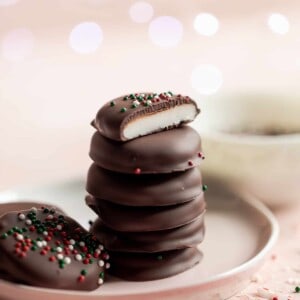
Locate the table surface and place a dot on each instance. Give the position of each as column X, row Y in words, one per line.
column 280, row 273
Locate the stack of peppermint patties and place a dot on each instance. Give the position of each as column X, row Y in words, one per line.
column 145, row 186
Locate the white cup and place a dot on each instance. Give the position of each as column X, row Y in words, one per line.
column 253, row 143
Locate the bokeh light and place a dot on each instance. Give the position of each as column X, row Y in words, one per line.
column 206, row 79
column 141, row 12
column 17, row 44
column 279, row 23
column 86, row 37
column 165, row 31
column 206, row 24
column 8, row 2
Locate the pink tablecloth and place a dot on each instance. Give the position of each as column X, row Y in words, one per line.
column 281, row 272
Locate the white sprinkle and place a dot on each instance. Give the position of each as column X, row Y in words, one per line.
column 59, row 227
column 20, row 237
column 39, row 244
column 100, row 263
column 50, row 217
column 67, row 260
column 71, row 247
column 72, row 242
column 59, row 249
column 34, row 209
column 135, row 102
column 100, row 247
column 60, row 256
column 22, row 217
column 82, row 244
column 100, row 281
column 107, row 266
column 149, row 102
column 78, row 257
column 44, row 243
column 45, row 233
column 98, row 251
column 28, row 222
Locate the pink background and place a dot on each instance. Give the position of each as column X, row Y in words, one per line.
column 49, row 93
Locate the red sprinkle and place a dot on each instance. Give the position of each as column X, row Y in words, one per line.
column 137, row 171
column 52, row 258
column 190, row 163
column 105, row 256
column 48, row 238
column 25, row 248
column 32, row 228
column 57, row 243
column 75, row 251
column 22, row 255
column 85, row 249
column 43, row 252
column 47, row 248
column 81, row 278
column 88, row 255
column 86, row 261
column 96, row 254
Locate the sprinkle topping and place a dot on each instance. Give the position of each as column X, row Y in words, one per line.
column 53, row 237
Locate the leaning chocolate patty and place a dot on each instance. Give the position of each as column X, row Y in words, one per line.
column 163, row 152
column 135, row 115
column 151, row 266
column 132, row 219
column 42, row 247
column 144, row 190
column 189, row 235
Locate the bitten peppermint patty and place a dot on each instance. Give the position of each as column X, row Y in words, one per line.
column 134, row 115
column 43, row 247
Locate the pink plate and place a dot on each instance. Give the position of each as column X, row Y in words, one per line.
column 240, row 233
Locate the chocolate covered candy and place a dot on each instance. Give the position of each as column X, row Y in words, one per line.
column 42, row 247
column 189, row 235
column 135, row 115
column 144, row 190
column 130, row 218
column 151, row 266
column 163, row 152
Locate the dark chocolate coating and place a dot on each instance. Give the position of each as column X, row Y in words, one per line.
column 24, row 259
column 151, row 266
column 162, row 152
column 144, row 190
column 189, row 235
column 110, row 121
column 133, row 219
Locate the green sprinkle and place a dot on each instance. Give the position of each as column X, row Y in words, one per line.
column 123, row 109
column 91, row 261
column 24, row 229
column 131, row 96
column 10, row 232
column 170, row 93
column 83, row 272
column 101, row 275
column 46, row 211
column 112, row 103
column 53, row 249
column 4, row 236
column 125, row 98
column 204, row 187
column 297, row 289
column 33, row 248
column 159, row 257
column 134, row 105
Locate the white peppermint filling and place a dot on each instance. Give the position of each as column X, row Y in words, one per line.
column 159, row 121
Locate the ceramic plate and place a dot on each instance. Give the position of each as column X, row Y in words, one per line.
column 240, row 232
